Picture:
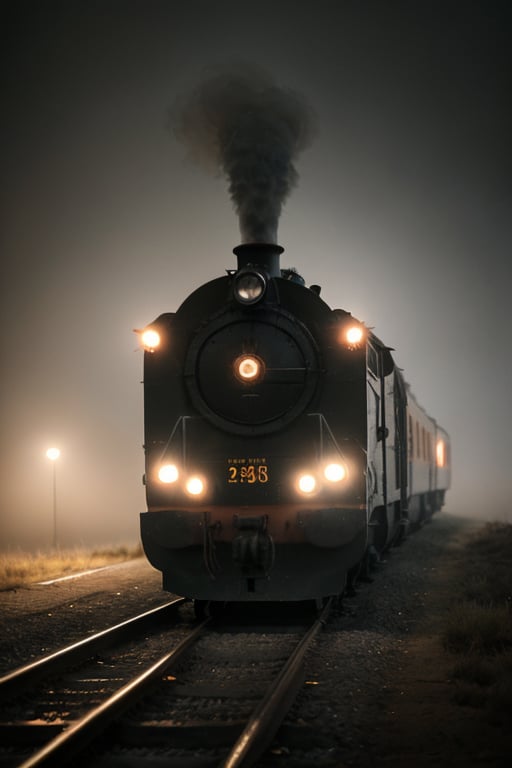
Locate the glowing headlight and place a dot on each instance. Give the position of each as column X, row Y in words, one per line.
column 249, row 287
column 335, row 472
column 195, row 486
column 168, row 473
column 307, row 483
column 150, row 339
column 248, row 368
column 354, row 335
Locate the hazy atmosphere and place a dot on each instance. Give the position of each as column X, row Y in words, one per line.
column 401, row 212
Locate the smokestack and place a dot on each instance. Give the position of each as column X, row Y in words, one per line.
column 245, row 126
column 264, row 255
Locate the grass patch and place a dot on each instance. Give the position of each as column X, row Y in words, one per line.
column 475, row 628
column 21, row 569
column 479, row 627
column 485, row 683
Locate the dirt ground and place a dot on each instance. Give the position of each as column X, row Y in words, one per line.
column 423, row 726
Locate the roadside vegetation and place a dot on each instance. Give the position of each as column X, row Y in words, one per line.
column 479, row 628
column 21, row 569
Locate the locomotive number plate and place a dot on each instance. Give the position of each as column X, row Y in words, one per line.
column 250, row 471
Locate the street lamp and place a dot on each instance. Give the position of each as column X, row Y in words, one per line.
column 53, row 454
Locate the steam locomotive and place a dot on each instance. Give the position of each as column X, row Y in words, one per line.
column 283, row 448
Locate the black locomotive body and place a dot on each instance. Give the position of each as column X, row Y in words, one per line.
column 282, row 446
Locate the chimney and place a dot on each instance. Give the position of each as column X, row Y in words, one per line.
column 263, row 255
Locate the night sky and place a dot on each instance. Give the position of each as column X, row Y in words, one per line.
column 402, row 213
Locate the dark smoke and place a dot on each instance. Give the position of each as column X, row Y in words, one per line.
column 246, row 127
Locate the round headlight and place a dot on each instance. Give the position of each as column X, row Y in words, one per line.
column 335, row 472
column 194, row 486
column 355, row 334
column 248, row 368
column 352, row 336
column 168, row 473
column 249, row 287
column 150, row 339
column 307, row 483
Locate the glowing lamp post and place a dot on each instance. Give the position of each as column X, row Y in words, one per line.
column 53, row 454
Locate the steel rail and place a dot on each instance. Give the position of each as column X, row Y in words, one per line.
column 272, row 709
column 67, row 744
column 23, row 677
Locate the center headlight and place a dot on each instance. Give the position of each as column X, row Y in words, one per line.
column 249, row 368
column 249, row 287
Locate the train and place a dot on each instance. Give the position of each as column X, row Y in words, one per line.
column 284, row 450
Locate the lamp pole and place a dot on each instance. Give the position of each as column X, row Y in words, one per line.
column 53, row 454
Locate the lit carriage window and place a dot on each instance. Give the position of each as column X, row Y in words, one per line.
column 440, row 453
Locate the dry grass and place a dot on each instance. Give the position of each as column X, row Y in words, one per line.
column 479, row 628
column 21, row 569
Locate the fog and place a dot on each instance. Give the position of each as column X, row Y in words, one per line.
column 402, row 212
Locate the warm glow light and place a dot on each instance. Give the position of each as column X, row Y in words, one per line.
column 53, row 454
column 335, row 472
column 168, row 473
column 354, row 335
column 195, row 486
column 440, row 453
column 307, row 483
column 150, row 339
column 248, row 368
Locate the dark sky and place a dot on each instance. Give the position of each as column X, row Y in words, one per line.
column 402, row 214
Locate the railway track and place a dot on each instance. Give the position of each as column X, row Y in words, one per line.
column 215, row 697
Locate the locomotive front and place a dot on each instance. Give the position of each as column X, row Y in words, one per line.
column 255, row 438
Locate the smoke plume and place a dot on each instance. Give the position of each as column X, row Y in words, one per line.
column 246, row 127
